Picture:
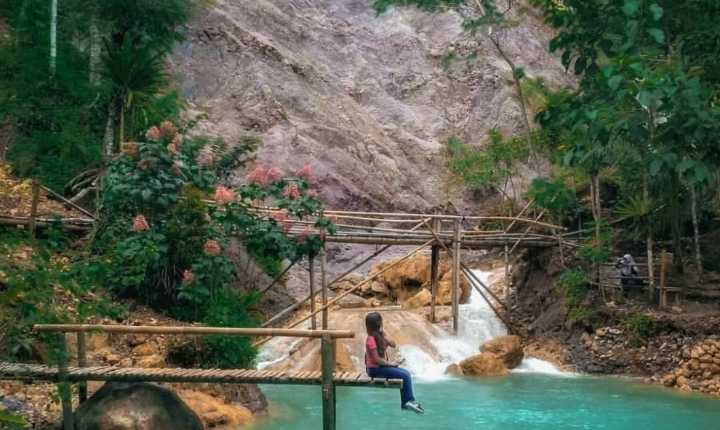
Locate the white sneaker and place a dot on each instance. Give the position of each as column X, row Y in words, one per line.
column 414, row 406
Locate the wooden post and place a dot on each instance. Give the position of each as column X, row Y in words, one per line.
column 434, row 272
column 82, row 362
column 328, row 385
column 323, row 282
column 651, row 269
column 34, row 206
column 507, row 266
column 456, row 276
column 663, row 280
column 313, row 323
column 64, row 389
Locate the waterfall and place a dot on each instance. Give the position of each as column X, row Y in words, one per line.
column 478, row 324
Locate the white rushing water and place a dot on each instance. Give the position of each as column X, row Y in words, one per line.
column 478, row 324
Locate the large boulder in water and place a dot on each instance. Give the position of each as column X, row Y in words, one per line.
column 507, row 348
column 135, row 406
column 483, row 364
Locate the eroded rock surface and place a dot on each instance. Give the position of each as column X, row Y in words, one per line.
column 365, row 100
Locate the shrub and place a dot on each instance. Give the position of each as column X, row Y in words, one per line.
column 554, row 196
column 639, row 328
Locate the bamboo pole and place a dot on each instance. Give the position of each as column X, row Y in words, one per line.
column 327, row 362
column 367, row 280
column 68, row 202
column 663, row 279
column 82, row 362
column 469, row 275
column 456, row 277
column 311, row 270
column 434, row 274
column 64, row 389
column 297, row 305
column 323, row 285
column 507, row 266
column 34, row 206
column 278, row 278
column 651, row 268
column 191, row 330
column 527, row 206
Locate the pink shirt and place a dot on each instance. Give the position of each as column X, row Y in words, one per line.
column 370, row 344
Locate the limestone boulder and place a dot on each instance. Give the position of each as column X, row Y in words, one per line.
column 507, row 348
column 421, row 299
column 454, row 370
column 352, row 301
column 405, row 280
column 135, row 406
column 214, row 413
column 483, row 364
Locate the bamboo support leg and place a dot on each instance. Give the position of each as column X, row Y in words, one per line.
column 34, row 207
column 313, row 323
column 64, row 388
column 663, row 279
column 456, row 277
column 323, row 282
column 82, row 362
column 328, row 386
column 434, row 274
column 507, row 266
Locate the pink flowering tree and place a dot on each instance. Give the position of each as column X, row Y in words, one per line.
column 167, row 219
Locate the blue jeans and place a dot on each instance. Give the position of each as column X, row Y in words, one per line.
column 406, row 393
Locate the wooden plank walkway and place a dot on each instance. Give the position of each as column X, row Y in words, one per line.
column 19, row 371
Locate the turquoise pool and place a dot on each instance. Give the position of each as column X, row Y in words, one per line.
column 520, row 401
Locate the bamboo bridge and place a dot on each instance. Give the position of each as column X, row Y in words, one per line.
column 437, row 232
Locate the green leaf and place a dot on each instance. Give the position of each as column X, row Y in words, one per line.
column 631, row 7
column 615, row 81
column 655, row 167
column 657, row 34
column 657, row 11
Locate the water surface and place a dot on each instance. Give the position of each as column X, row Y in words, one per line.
column 520, row 401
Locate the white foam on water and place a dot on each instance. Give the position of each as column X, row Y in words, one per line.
column 535, row 365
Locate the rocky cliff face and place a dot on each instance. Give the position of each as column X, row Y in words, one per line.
column 364, row 99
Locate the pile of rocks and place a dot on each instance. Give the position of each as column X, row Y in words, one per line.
column 407, row 283
column 700, row 369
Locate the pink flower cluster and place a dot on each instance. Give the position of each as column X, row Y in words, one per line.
column 281, row 217
column 131, row 149
column 168, row 130
column 140, row 223
column 261, row 175
column 187, row 276
column 291, row 192
column 212, row 247
column 224, row 195
column 153, row 134
column 305, row 172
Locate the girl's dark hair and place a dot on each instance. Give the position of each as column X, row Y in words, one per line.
column 373, row 325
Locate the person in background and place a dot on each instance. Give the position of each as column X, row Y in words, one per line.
column 628, row 270
column 378, row 365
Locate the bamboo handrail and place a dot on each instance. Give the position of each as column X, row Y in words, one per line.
column 194, row 331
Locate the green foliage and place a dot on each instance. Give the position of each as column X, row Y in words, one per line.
column 639, row 328
column 45, row 287
column 573, row 287
column 161, row 242
column 229, row 310
column 554, row 196
column 11, row 421
column 490, row 167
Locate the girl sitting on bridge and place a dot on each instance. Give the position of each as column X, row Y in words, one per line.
column 378, row 366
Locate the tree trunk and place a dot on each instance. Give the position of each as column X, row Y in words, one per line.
column 53, row 36
column 649, row 243
column 696, row 232
column 597, row 214
column 678, row 254
column 518, row 90
column 95, row 51
column 109, row 138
